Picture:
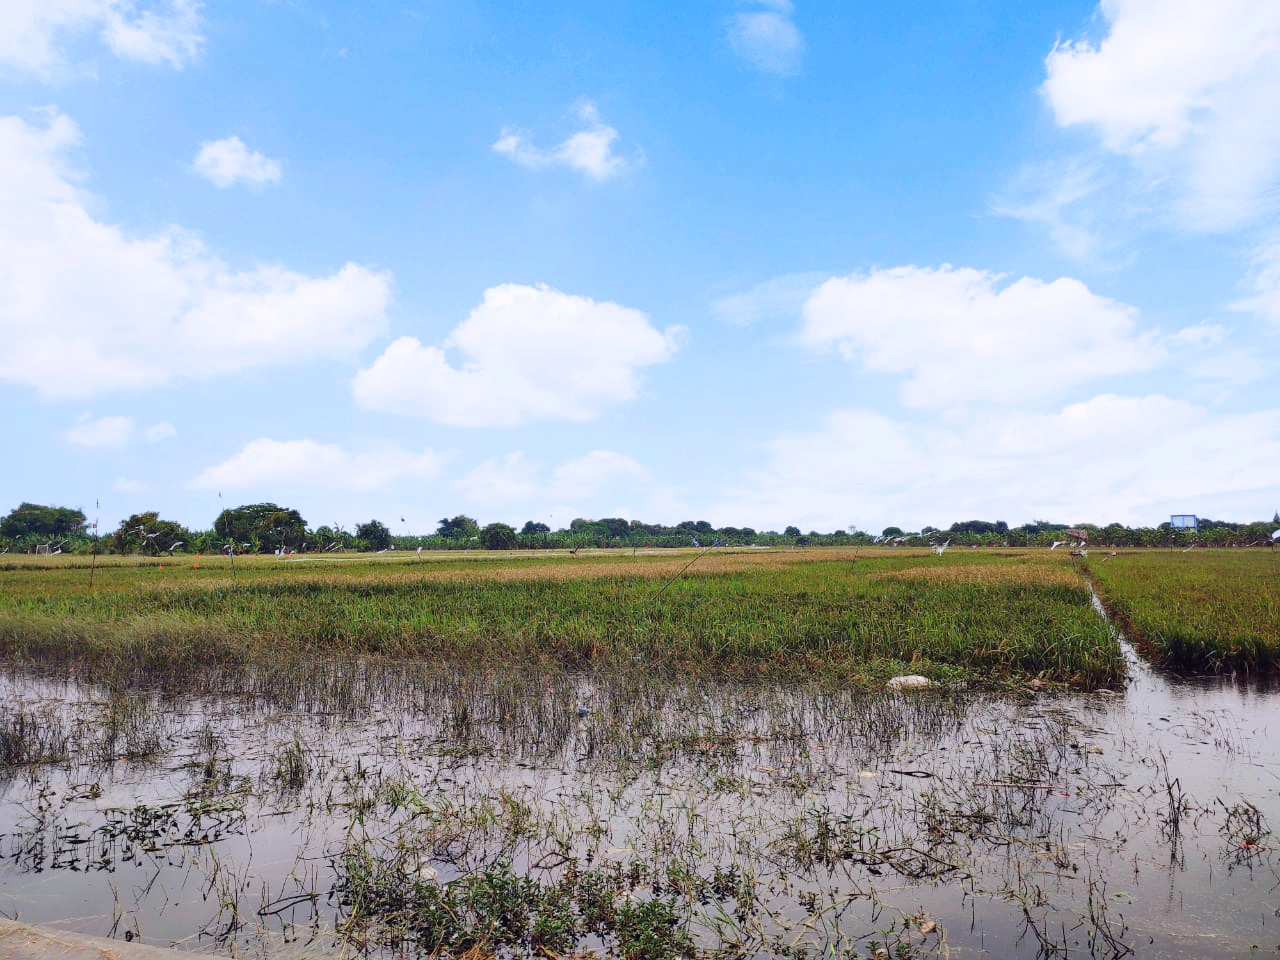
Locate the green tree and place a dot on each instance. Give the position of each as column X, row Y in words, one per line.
column 147, row 533
column 791, row 532
column 264, row 526
column 498, row 536
column 374, row 534
column 36, row 520
column 460, row 527
column 531, row 528
column 325, row 537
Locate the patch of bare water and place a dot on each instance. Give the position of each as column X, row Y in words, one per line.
column 773, row 819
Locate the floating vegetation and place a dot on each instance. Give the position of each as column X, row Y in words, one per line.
column 486, row 814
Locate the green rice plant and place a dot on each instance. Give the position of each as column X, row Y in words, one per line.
column 1209, row 610
column 829, row 615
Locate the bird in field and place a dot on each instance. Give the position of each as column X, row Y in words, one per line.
column 939, row 549
column 1056, row 544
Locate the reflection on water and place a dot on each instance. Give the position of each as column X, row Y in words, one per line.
column 770, row 818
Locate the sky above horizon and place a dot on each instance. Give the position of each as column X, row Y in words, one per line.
column 757, row 262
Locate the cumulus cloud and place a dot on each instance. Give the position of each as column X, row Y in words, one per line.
column 963, row 336
column 227, row 162
column 33, row 33
column 105, row 432
column 1185, row 90
column 87, row 308
column 594, row 472
column 268, row 465
column 159, row 431
column 115, row 432
column 502, row 480
column 527, row 353
column 1110, row 458
column 766, row 37
column 589, row 151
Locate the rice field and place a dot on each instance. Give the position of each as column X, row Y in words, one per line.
column 635, row 755
column 1196, row 610
column 849, row 617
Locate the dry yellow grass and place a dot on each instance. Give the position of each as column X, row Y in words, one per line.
column 1042, row 574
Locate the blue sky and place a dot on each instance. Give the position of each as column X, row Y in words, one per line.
column 760, row 262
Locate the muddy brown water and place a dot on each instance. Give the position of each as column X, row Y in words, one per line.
column 946, row 823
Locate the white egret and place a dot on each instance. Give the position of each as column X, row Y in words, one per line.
column 939, row 549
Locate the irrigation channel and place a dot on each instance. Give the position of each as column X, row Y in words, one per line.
column 402, row 810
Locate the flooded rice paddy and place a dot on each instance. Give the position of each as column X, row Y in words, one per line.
column 404, row 810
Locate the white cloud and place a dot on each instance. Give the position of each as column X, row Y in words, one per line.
column 33, row 33
column 594, row 472
column 274, row 465
column 129, row 485
column 780, row 298
column 87, row 308
column 960, row 336
column 1055, row 197
column 227, row 162
column 1186, row 90
column 767, row 38
column 528, row 353
column 589, row 151
column 1110, row 458
column 1263, row 284
column 502, row 480
column 159, row 431
column 115, row 432
column 514, row 480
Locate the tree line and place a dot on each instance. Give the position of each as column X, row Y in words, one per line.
column 270, row 528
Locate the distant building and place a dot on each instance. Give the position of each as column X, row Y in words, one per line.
column 1184, row 521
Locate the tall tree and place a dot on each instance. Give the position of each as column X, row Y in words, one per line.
column 375, row 535
column 37, row 520
column 264, row 526
column 460, row 527
column 498, row 536
column 147, row 533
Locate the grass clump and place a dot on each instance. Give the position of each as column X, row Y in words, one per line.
column 31, row 736
column 1209, row 610
column 497, row 910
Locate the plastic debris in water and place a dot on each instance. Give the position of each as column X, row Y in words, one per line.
column 910, row 682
